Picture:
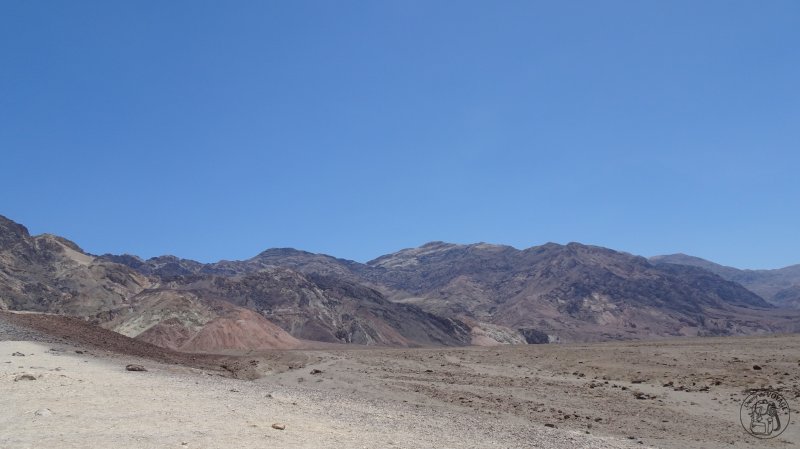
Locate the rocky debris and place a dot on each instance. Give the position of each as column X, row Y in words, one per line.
column 135, row 367
column 316, row 371
column 18, row 354
column 642, row 396
column 24, row 377
column 279, row 426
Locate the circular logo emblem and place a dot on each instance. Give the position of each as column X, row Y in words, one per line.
column 764, row 414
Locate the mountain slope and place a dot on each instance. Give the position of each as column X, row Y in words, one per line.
column 562, row 291
column 780, row 287
column 436, row 294
column 569, row 291
column 328, row 309
column 50, row 274
column 186, row 305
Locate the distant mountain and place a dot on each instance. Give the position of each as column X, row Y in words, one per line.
column 550, row 292
column 174, row 302
column 51, row 274
column 436, row 294
column 780, row 286
column 572, row 291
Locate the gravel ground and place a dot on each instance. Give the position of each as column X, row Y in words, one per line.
column 11, row 331
column 83, row 400
column 680, row 394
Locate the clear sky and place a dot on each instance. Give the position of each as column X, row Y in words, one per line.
column 214, row 130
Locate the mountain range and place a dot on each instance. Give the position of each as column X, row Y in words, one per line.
column 780, row 287
column 436, row 294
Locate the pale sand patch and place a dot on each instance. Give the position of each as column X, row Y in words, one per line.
column 86, row 401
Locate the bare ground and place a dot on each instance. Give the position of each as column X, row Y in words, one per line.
column 666, row 394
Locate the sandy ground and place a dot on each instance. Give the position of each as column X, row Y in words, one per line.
column 421, row 398
column 85, row 400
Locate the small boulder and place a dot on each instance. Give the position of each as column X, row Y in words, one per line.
column 278, row 426
column 316, row 371
column 18, row 354
column 134, row 367
column 756, row 368
column 43, row 412
column 24, row 377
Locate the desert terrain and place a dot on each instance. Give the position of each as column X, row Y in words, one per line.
column 682, row 393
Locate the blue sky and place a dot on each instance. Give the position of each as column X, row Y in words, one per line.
column 214, row 130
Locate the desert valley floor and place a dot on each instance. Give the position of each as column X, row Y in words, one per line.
column 679, row 394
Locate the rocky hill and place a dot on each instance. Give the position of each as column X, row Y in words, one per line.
column 780, row 287
column 436, row 294
column 549, row 292
column 572, row 291
column 186, row 305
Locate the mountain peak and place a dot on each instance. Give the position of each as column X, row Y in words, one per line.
column 11, row 232
column 282, row 252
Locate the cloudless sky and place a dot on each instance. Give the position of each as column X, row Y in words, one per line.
column 214, row 130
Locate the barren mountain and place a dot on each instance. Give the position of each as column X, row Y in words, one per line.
column 51, row 274
column 780, row 287
column 547, row 292
column 328, row 309
column 437, row 294
column 571, row 291
column 186, row 305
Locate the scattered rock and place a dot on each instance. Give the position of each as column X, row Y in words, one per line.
column 551, row 425
column 316, row 371
column 24, row 377
column 640, row 395
column 278, row 426
column 18, row 354
column 637, row 381
column 134, row 367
